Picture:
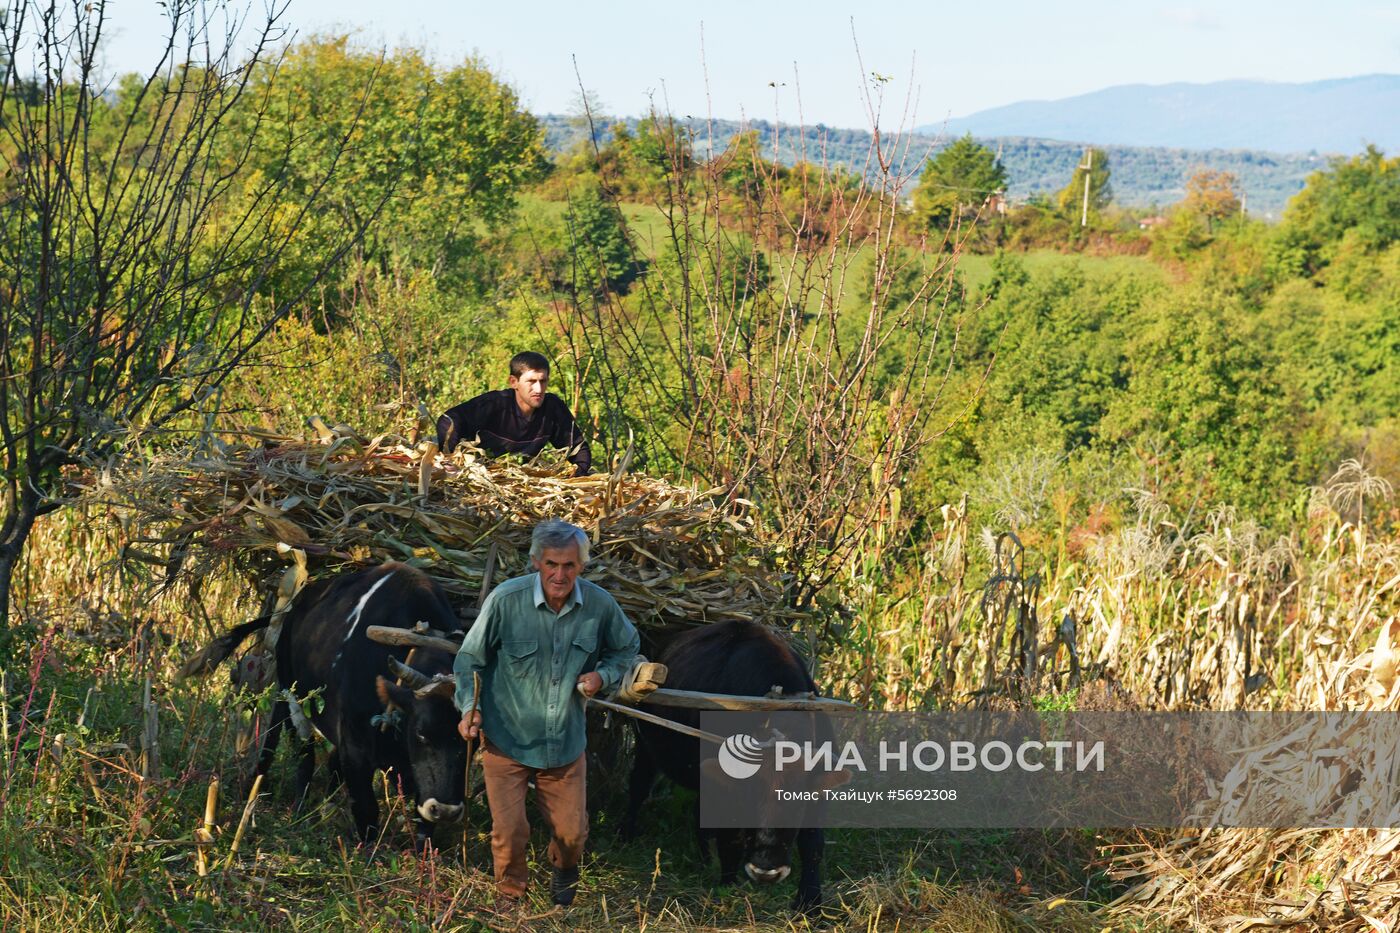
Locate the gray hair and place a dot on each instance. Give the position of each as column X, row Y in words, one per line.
column 555, row 533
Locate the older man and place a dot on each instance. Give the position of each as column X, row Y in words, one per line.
column 541, row 644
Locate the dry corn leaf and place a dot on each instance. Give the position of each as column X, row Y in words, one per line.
column 340, row 502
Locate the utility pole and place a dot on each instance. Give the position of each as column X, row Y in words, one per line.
column 1088, row 167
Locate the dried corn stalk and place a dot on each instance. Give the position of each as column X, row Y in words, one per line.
column 666, row 553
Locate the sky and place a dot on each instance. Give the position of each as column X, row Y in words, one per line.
column 830, row 62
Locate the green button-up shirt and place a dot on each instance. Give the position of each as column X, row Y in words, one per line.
column 530, row 659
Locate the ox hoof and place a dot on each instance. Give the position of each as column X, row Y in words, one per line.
column 807, row 903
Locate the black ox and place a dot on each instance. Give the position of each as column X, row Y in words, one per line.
column 324, row 657
column 742, row 659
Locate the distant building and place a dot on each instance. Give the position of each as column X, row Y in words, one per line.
column 995, row 203
column 1148, row 223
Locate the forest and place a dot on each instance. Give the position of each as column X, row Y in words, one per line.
column 1147, row 176
column 950, row 419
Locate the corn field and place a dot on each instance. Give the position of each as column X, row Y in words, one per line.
column 1147, row 615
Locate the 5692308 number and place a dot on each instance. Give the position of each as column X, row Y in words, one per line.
column 924, row 794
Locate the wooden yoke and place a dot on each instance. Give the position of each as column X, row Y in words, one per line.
column 644, row 683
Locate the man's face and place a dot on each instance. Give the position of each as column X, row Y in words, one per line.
column 529, row 389
column 558, row 569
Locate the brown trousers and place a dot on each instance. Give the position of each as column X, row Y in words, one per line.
column 561, row 796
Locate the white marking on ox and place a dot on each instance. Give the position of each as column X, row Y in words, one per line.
column 364, row 600
column 359, row 609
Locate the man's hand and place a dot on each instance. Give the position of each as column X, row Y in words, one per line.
column 470, row 726
column 590, row 683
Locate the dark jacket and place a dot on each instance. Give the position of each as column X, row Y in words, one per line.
column 495, row 421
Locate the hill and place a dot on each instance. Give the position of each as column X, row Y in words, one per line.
column 1336, row 116
column 1142, row 175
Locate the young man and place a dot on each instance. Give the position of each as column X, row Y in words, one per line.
column 519, row 419
column 541, row 644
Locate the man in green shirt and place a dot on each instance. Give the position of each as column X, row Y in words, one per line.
column 541, row 644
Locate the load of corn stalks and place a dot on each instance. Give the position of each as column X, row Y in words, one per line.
column 300, row 508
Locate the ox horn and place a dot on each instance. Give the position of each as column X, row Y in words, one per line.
column 774, row 737
column 441, row 685
column 414, row 680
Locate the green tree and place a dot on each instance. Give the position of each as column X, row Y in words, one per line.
column 600, row 255
column 1212, row 403
column 1070, row 199
column 449, row 148
column 1360, row 196
column 960, row 177
column 634, row 162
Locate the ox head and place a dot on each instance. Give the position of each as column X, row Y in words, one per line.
column 436, row 754
column 767, row 848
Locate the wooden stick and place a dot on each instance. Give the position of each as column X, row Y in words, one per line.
column 243, row 823
column 5, row 719
column 662, row 696
column 692, row 699
column 425, row 468
column 657, row 720
column 388, row 635
column 486, row 576
column 211, row 803
column 150, row 735
column 467, row 781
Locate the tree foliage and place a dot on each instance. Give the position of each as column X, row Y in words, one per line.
column 600, row 253
column 1212, row 404
column 1211, row 196
column 134, row 248
column 447, row 149
column 960, row 177
column 1071, row 198
column 635, row 163
column 1357, row 197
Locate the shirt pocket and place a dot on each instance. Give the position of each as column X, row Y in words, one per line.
column 585, row 643
column 519, row 655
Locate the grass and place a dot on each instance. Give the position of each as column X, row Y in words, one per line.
column 86, row 843
column 976, row 269
column 650, row 231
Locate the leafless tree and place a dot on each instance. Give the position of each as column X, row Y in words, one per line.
column 133, row 246
column 743, row 363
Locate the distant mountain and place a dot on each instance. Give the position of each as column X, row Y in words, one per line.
column 1336, row 116
column 1141, row 176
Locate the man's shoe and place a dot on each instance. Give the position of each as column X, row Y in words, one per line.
column 563, row 885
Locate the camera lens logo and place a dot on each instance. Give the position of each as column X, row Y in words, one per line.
column 740, row 756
